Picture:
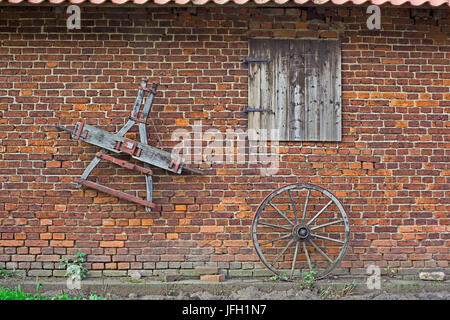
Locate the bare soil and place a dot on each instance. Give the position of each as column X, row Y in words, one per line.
column 125, row 289
column 252, row 293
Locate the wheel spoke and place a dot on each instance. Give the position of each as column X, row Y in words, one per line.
column 319, row 213
column 276, row 239
column 306, row 205
column 320, row 251
column 280, row 213
column 326, row 238
column 274, row 225
column 295, row 260
column 307, row 255
column 326, row 224
column 293, row 206
column 282, row 252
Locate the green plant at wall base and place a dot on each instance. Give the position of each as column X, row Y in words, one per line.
column 282, row 276
column 6, row 273
column 75, row 267
column 308, row 280
column 391, row 273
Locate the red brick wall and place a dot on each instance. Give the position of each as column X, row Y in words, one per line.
column 391, row 171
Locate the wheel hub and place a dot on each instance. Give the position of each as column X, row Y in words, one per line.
column 301, row 232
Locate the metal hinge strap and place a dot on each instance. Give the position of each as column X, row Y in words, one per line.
column 246, row 60
column 247, row 110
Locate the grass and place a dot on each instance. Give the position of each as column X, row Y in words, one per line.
column 18, row 294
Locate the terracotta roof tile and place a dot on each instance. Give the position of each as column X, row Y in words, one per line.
column 241, row 2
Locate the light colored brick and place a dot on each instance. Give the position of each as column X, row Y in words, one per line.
column 114, row 273
column 40, row 273
column 205, row 270
column 111, row 244
column 212, row 277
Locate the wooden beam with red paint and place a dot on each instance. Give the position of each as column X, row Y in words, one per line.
column 114, row 192
column 124, row 163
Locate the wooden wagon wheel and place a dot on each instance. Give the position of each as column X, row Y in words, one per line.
column 300, row 227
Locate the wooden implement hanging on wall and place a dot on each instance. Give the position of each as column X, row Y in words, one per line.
column 117, row 143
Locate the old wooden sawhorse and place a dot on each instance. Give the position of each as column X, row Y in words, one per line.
column 117, row 143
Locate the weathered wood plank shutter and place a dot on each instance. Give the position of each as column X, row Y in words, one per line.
column 300, row 85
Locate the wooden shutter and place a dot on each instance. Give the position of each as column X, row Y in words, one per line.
column 301, row 86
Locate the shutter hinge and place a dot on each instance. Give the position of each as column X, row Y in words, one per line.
column 247, row 110
column 246, row 60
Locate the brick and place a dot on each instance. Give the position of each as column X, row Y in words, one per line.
column 112, row 244
column 114, row 273
column 54, row 258
column 201, row 270
column 172, row 236
column 262, row 273
column 23, row 257
column 60, row 207
column 211, row 229
column 212, row 277
column 240, row 273
column 61, row 243
column 36, row 243
column 147, row 222
column 182, row 122
column 53, row 164
column 328, row 35
column 180, row 207
column 235, row 243
column 172, row 277
column 433, row 276
column 12, row 206
column 11, row 243
column 284, row 33
column 98, row 258
column 108, row 222
column 40, row 273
